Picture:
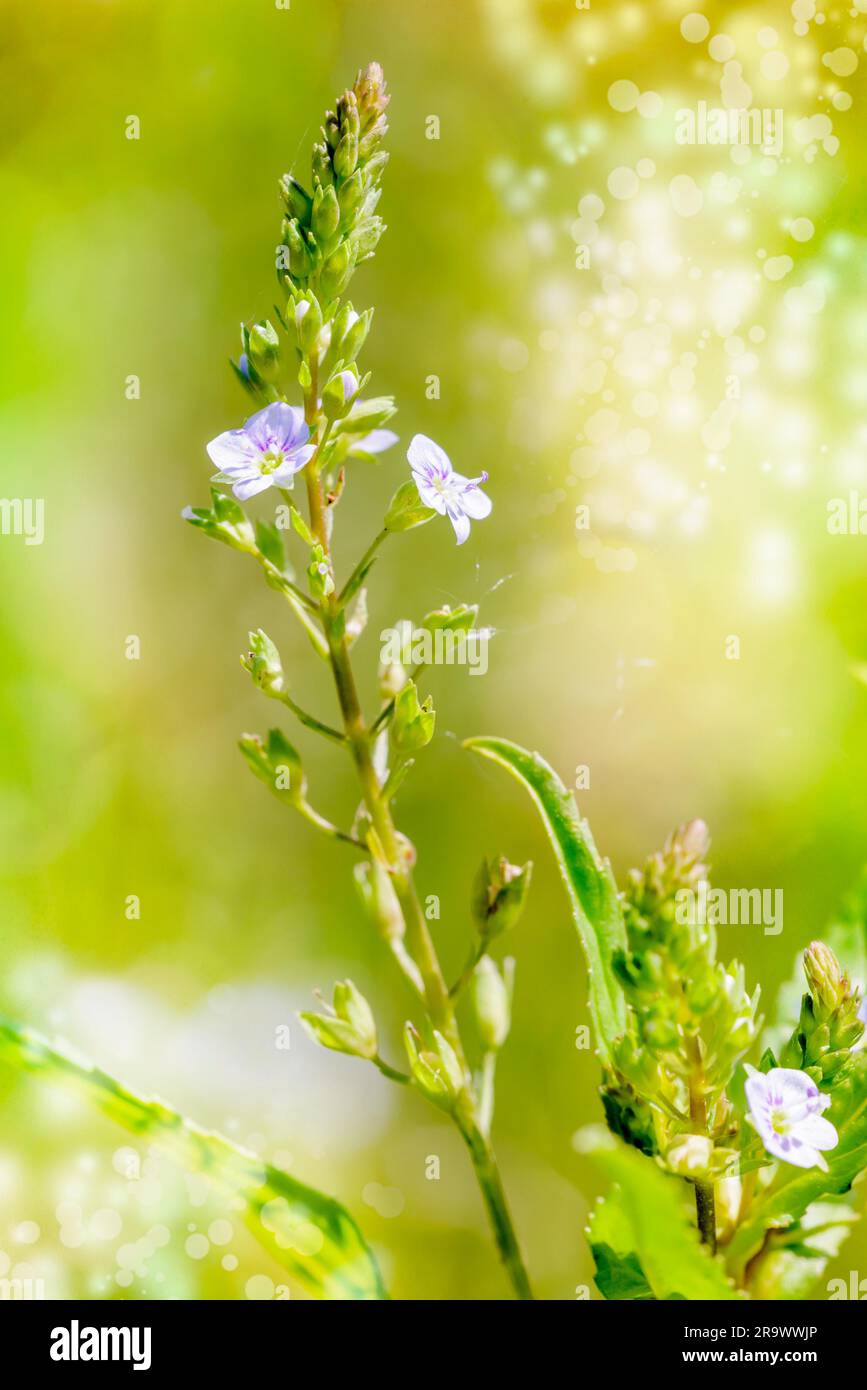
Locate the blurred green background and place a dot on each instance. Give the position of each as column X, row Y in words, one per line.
column 699, row 385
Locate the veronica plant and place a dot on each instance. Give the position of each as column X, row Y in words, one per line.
column 769, row 1149
column 313, row 423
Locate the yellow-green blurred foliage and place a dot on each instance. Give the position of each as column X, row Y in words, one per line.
column 698, row 384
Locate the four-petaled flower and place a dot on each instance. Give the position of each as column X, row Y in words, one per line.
column 447, row 492
column 786, row 1108
column 268, row 451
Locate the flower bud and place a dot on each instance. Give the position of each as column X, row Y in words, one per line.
column 492, row 1003
column 826, row 979
column 308, row 322
column 263, row 347
column 406, row 509
column 319, row 574
column 690, row 1155
column 277, row 764
column 338, row 395
column 263, row 663
column 336, row 271
column 446, row 619
column 298, row 202
column 435, row 1069
column 326, row 214
column 301, row 260
column 351, row 196
column 377, row 893
column 347, row 1027
column 412, row 726
column 499, row 894
column 356, row 336
column 346, row 155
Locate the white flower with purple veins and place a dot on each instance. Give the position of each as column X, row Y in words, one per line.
column 267, row 452
column 447, row 492
column 786, row 1108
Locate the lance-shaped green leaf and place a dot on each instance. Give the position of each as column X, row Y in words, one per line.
column 589, row 881
column 647, row 1233
column 309, row 1234
column 793, row 1189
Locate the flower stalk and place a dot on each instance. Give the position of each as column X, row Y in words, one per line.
column 325, row 235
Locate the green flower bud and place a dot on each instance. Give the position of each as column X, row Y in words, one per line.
column 446, row 619
column 346, row 155
column 351, row 197
column 319, row 574
column 263, row 663
column 301, row 258
column 380, row 899
column 365, row 237
column 826, row 979
column 491, row 995
column 322, row 170
column 277, row 764
column 298, row 202
column 326, row 214
column 356, row 336
column 263, row 346
column 434, row 1069
column 348, row 119
column 412, row 726
column 406, row 509
column 347, row 1027
column 499, row 895
column 336, row 271
column 308, row 322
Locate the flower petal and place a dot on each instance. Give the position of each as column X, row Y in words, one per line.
column 231, row 451
column 430, row 495
column 460, row 522
column 476, row 503
column 376, row 442
column 424, row 454
column 817, row 1132
column 278, row 426
column 249, row 487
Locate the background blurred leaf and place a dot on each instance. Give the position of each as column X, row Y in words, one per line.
column 589, row 881
column 647, row 1212
column 795, row 1261
column 309, row 1234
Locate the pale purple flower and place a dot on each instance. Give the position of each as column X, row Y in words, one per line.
column 447, row 492
column 267, row 452
column 375, row 443
column 786, row 1108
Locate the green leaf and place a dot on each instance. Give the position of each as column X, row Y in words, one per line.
column 645, row 1230
column 309, row 1234
column 794, row 1261
column 589, row 881
column 618, row 1268
column 793, row 1189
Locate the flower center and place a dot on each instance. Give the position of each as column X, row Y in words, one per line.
column 271, row 460
column 780, row 1122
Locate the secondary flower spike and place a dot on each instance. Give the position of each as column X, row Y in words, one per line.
column 447, row 492
column 786, row 1108
column 268, row 450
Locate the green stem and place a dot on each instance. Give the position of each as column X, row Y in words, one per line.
column 705, row 1202
column 420, row 948
column 490, row 1182
column 361, row 568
